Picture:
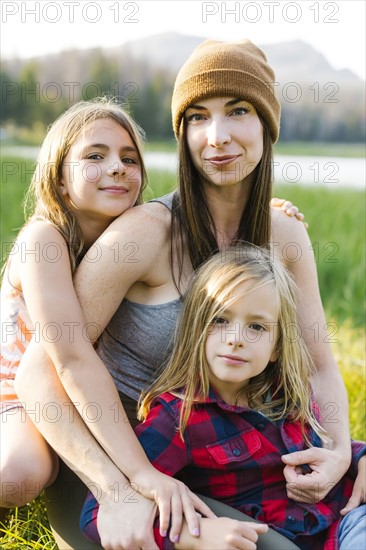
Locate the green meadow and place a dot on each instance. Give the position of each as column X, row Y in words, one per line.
column 336, row 229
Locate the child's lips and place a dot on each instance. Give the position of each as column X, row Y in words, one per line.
column 115, row 189
column 233, row 359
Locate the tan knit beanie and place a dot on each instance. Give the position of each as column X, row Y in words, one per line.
column 227, row 69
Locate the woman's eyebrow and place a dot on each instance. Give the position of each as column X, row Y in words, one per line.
column 198, row 107
column 234, row 101
column 229, row 103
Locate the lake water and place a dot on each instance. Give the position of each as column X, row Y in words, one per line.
column 303, row 170
column 331, row 172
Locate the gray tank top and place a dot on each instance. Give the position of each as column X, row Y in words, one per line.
column 138, row 339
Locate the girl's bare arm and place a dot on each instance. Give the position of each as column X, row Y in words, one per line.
column 102, row 284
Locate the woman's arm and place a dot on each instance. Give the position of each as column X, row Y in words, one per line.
column 292, row 244
column 358, row 496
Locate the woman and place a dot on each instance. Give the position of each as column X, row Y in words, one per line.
column 226, row 118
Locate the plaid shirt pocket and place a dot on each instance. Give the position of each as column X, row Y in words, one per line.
column 235, row 449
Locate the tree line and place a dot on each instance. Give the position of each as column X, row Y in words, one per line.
column 35, row 92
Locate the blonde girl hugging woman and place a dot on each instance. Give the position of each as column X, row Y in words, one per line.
column 234, row 398
column 90, row 171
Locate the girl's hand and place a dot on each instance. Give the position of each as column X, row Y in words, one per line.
column 288, row 208
column 127, row 524
column 359, row 489
column 224, row 534
column 174, row 500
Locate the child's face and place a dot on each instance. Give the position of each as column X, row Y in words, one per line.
column 242, row 341
column 101, row 174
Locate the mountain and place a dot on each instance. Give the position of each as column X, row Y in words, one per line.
column 167, row 50
column 298, row 61
column 141, row 73
column 293, row 61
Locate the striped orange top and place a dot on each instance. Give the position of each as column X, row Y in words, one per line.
column 16, row 332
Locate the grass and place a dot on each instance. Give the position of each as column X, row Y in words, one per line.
column 336, row 228
column 15, row 177
column 351, row 150
column 336, row 219
column 27, row 528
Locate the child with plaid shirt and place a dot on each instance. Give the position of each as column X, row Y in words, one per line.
column 233, row 399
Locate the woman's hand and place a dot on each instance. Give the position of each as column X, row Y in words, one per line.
column 359, row 488
column 174, row 500
column 288, row 208
column 325, row 468
column 223, row 534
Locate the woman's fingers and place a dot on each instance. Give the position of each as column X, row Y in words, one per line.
column 176, row 509
column 200, row 506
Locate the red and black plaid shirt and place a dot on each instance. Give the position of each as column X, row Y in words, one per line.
column 233, row 454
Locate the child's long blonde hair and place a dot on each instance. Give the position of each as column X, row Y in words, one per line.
column 44, row 199
column 286, row 381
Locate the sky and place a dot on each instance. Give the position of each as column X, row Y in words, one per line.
column 337, row 29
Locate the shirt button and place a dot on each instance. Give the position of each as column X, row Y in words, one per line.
column 236, row 452
column 291, row 519
column 260, row 426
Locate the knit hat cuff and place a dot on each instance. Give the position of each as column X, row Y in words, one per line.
column 228, row 83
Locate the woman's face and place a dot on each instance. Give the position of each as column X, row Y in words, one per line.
column 225, row 139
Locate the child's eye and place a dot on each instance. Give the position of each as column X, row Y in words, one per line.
column 94, row 156
column 257, row 327
column 129, row 160
column 219, row 321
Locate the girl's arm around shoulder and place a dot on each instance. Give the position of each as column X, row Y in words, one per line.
column 134, row 249
column 41, row 247
column 41, row 269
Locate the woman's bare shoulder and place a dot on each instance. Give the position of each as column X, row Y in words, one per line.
column 289, row 237
column 284, row 228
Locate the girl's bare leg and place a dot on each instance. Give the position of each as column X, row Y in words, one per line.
column 27, row 462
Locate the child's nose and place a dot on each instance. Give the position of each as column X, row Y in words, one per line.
column 235, row 337
column 116, row 168
column 235, row 343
